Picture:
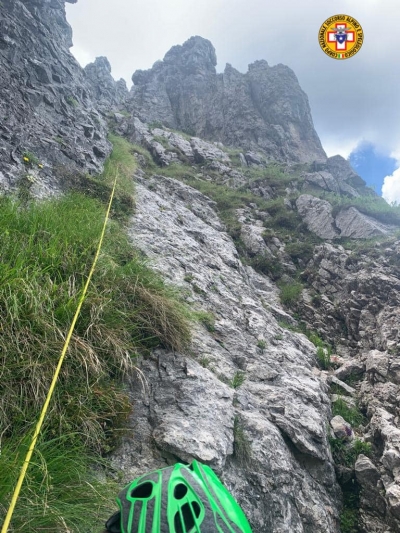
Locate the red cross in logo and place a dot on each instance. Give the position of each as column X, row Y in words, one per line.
column 350, row 37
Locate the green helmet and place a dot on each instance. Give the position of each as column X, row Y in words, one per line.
column 178, row 499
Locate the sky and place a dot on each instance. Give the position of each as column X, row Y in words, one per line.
column 355, row 103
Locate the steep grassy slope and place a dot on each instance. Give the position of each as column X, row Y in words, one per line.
column 47, row 249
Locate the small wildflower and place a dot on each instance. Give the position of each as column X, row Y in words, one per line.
column 26, row 159
column 40, row 165
column 30, row 178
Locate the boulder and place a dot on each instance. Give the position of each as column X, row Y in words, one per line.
column 341, row 428
column 324, row 180
column 366, row 472
column 317, row 214
column 356, row 225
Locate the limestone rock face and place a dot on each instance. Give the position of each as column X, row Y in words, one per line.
column 343, row 172
column 267, row 437
column 360, row 312
column 317, row 214
column 356, row 225
column 106, row 90
column 45, row 104
column 349, row 222
column 262, row 109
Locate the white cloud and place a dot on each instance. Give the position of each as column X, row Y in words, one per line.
column 391, row 187
column 82, row 56
column 339, row 146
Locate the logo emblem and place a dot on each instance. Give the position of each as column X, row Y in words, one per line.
column 340, row 36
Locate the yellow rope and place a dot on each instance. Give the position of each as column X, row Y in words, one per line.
column 56, row 374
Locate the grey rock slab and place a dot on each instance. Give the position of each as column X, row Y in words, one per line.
column 251, row 236
column 317, row 214
column 377, row 364
column 342, row 385
column 205, row 151
column 324, row 180
column 282, row 407
column 352, row 223
column 350, row 368
column 367, row 473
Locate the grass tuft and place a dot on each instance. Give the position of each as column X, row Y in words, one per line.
column 290, row 292
column 352, row 415
column 241, row 444
column 122, row 160
column 61, row 492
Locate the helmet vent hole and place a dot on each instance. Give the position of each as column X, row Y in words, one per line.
column 142, row 491
column 196, row 509
column 180, row 491
column 188, row 518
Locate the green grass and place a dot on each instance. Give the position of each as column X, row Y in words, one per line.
column 324, row 350
column 32, row 159
column 47, row 249
column 346, row 454
column 268, row 265
column 374, row 206
column 290, row 292
column 61, row 491
column 241, row 444
column 163, row 141
column 300, row 250
column 238, row 379
column 206, row 318
column 352, row 415
column 273, row 175
column 121, row 160
column 72, row 101
column 349, row 521
column 262, row 344
column 323, row 357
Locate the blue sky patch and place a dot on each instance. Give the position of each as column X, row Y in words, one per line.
column 371, row 165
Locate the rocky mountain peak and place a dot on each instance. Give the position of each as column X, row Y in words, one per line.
column 264, row 109
column 105, row 89
column 195, row 55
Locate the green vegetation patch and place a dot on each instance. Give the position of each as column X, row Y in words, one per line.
column 121, row 160
column 352, row 415
column 345, row 453
column 273, row 175
column 374, row 206
column 238, row 379
column 61, row 491
column 241, row 443
column 269, row 265
column 324, row 350
column 290, row 292
column 47, row 249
